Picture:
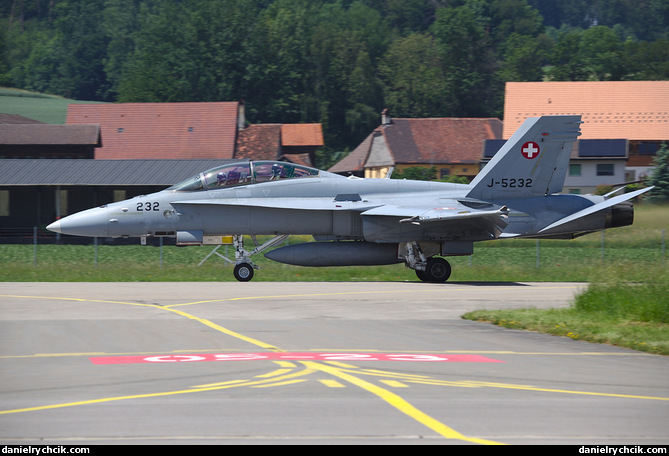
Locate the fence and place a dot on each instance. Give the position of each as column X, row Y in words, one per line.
column 540, row 246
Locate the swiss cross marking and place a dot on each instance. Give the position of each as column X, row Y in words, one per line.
column 530, row 150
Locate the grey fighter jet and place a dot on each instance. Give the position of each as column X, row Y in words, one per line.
column 370, row 221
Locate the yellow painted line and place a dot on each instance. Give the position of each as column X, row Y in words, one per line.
column 584, row 393
column 399, row 403
column 225, row 330
column 344, row 293
column 394, row 383
column 332, row 383
column 211, row 387
column 339, row 364
column 111, row 399
column 475, row 384
column 287, row 382
column 274, row 373
column 100, row 301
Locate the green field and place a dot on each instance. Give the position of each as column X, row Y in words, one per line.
column 45, row 108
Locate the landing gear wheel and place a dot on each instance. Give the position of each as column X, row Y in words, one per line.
column 438, row 270
column 243, row 272
column 421, row 275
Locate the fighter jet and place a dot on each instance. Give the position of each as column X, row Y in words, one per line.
column 357, row 221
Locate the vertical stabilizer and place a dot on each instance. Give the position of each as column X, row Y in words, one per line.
column 533, row 162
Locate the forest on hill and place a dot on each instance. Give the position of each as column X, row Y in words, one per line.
column 337, row 62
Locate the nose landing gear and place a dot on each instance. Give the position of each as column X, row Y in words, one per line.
column 243, row 265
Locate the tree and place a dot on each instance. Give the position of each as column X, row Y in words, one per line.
column 469, row 62
column 415, row 84
column 415, row 173
column 600, row 50
column 524, row 57
column 568, row 64
column 660, row 176
column 162, row 68
column 80, row 48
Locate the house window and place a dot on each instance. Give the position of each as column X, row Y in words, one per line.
column 62, row 198
column 4, row 203
column 120, row 195
column 605, row 169
column 575, row 170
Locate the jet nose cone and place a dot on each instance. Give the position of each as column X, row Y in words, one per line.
column 55, row 227
column 92, row 223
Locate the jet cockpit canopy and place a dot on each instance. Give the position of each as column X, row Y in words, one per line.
column 244, row 173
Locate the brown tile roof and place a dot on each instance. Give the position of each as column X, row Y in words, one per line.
column 17, row 119
column 49, row 134
column 355, row 161
column 424, row 141
column 161, row 130
column 440, row 140
column 634, row 110
column 298, row 159
column 259, row 142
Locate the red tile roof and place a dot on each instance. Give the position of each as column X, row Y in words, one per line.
column 161, row 130
column 302, row 135
column 634, row 110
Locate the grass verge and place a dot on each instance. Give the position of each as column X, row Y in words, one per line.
column 631, row 315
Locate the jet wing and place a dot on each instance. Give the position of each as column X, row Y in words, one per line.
column 418, row 216
column 456, row 218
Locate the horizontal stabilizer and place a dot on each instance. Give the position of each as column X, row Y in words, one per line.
column 592, row 209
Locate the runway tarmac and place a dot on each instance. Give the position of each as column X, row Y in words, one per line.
column 311, row 363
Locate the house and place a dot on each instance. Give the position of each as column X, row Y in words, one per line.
column 634, row 111
column 199, row 131
column 21, row 137
column 110, row 152
column 453, row 146
column 296, row 143
column 161, row 130
column 592, row 163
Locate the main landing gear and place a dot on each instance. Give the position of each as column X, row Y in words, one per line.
column 433, row 269
column 437, row 270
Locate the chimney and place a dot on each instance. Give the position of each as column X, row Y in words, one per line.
column 241, row 116
column 385, row 118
